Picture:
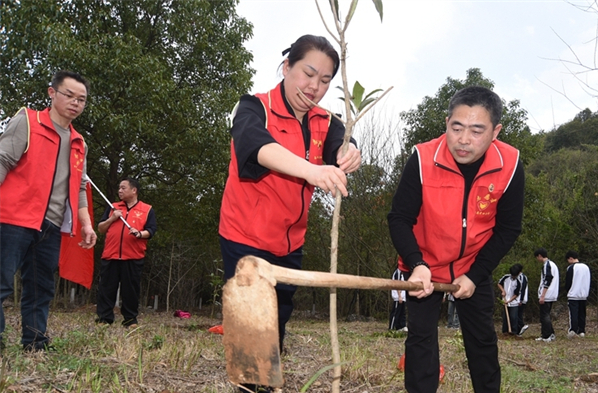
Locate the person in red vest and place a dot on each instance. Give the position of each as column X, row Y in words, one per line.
column 42, row 193
column 282, row 147
column 457, row 211
column 124, row 252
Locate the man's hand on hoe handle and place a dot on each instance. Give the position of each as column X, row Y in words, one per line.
column 466, row 287
column 421, row 275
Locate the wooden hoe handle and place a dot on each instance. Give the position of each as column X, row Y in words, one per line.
column 306, row 278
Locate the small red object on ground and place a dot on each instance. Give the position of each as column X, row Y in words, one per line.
column 216, row 329
column 401, row 365
column 441, row 376
column 182, row 314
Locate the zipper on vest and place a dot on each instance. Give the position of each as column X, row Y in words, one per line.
column 122, row 237
column 69, row 204
column 68, row 199
column 122, row 233
column 452, row 271
column 306, row 133
column 464, row 216
column 298, row 218
column 53, row 179
column 463, row 237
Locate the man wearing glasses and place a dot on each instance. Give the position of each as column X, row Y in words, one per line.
column 42, row 193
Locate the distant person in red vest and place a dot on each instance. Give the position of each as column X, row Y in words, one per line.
column 282, row 148
column 457, row 211
column 124, row 252
column 42, row 193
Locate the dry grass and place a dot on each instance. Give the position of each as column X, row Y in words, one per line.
column 167, row 354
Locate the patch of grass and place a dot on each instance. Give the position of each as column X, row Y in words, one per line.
column 179, row 355
column 392, row 334
column 533, row 381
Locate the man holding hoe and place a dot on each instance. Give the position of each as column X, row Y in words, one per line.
column 457, row 211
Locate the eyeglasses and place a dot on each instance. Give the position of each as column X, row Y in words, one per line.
column 70, row 97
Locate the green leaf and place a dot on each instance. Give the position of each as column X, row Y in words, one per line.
column 358, row 91
column 365, row 103
column 372, row 93
column 334, row 9
column 317, row 375
column 378, row 4
column 368, row 100
column 351, row 11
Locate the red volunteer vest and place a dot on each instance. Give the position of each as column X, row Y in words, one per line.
column 447, row 240
column 119, row 244
column 270, row 213
column 25, row 192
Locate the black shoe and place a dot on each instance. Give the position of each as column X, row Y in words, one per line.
column 100, row 321
column 256, row 389
column 130, row 323
column 39, row 347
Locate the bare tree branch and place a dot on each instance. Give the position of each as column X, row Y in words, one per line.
column 326, row 25
column 579, row 70
column 559, row 92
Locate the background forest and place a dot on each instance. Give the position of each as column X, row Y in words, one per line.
column 165, row 76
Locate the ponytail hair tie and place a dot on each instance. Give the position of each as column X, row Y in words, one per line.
column 287, row 50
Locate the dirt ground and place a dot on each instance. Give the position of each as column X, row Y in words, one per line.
column 167, row 355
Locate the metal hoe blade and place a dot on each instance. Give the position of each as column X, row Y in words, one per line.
column 250, row 323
